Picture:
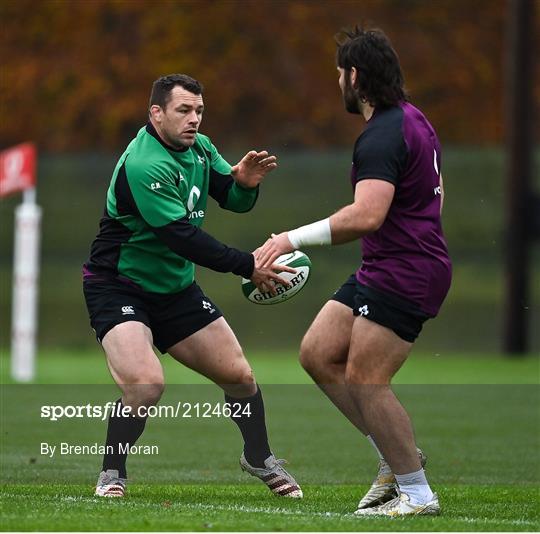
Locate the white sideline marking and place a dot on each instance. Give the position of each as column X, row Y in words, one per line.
column 262, row 510
column 498, row 521
column 286, row 511
column 275, row 510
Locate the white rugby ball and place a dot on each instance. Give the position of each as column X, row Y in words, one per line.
column 297, row 260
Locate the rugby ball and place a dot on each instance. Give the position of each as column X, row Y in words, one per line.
column 297, row 260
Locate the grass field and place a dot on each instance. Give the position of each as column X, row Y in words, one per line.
column 248, row 508
column 88, row 367
column 476, row 418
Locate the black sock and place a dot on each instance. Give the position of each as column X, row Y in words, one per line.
column 253, row 427
column 121, row 430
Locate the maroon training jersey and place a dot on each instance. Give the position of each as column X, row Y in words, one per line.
column 408, row 255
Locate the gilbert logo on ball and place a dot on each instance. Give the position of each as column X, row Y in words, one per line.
column 297, row 260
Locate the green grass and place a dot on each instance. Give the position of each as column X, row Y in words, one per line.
column 88, row 367
column 251, row 508
column 475, row 417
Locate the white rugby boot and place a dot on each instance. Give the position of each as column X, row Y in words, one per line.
column 384, row 488
column 279, row 482
column 109, row 484
column 401, row 506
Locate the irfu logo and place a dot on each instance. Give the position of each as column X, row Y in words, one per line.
column 364, row 310
column 208, row 306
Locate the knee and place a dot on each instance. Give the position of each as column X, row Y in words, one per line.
column 358, row 384
column 353, row 375
column 238, row 371
column 151, row 393
column 242, row 377
column 240, row 381
column 146, row 391
column 357, row 375
column 309, row 354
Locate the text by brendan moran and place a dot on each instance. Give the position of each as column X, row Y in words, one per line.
column 95, row 449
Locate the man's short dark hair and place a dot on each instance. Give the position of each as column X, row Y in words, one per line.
column 380, row 80
column 162, row 87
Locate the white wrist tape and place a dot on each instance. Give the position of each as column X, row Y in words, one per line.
column 318, row 233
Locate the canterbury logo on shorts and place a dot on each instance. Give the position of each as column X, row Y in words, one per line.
column 128, row 310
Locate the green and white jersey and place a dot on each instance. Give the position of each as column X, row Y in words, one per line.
column 156, row 202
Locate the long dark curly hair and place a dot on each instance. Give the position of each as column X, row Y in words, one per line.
column 380, row 80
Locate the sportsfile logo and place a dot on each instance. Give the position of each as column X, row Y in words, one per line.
column 128, row 310
column 182, row 409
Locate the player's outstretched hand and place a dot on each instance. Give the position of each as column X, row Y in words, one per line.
column 266, row 278
column 253, row 167
column 273, row 248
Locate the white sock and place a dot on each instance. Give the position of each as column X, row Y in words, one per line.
column 381, row 457
column 416, row 486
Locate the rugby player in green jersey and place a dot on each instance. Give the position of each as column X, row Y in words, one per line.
column 139, row 280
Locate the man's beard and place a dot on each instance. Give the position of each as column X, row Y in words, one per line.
column 177, row 143
column 350, row 98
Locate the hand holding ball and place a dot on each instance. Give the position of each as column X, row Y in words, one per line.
column 297, row 260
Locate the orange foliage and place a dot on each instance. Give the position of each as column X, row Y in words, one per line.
column 76, row 74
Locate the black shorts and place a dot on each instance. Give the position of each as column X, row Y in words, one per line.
column 171, row 317
column 394, row 312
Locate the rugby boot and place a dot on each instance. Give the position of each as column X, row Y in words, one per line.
column 109, row 484
column 279, row 482
column 384, row 488
column 401, row 506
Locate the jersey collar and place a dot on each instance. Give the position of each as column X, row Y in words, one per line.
column 152, row 131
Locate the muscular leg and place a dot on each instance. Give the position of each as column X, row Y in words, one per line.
column 376, row 354
column 133, row 364
column 215, row 352
column 324, row 352
column 138, row 373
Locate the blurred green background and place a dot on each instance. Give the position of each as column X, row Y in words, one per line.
column 76, row 78
column 307, row 185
